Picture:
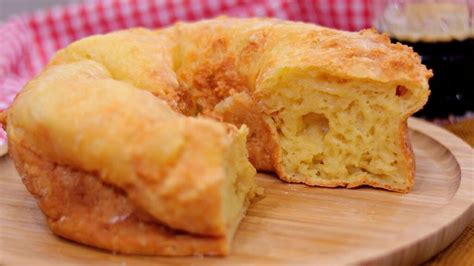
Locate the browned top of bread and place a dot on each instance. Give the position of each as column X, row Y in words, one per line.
column 266, row 45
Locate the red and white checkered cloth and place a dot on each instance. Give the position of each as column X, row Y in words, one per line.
column 28, row 41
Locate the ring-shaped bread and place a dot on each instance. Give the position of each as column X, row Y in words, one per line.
column 107, row 137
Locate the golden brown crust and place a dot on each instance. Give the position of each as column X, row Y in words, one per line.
column 257, row 47
column 158, row 160
column 361, row 182
column 408, row 154
column 240, row 109
column 80, row 207
column 153, row 158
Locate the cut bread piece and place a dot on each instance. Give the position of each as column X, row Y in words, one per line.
column 190, row 175
column 341, row 132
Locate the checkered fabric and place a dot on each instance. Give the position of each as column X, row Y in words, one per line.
column 27, row 41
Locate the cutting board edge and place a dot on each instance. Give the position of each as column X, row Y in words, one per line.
column 403, row 252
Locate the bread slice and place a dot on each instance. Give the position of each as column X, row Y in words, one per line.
column 114, row 167
column 340, row 132
column 338, row 103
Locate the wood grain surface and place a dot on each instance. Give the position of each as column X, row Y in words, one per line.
column 461, row 251
column 294, row 223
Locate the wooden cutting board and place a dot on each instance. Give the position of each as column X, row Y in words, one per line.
column 294, row 223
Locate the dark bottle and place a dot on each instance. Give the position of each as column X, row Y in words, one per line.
column 452, row 86
column 442, row 32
